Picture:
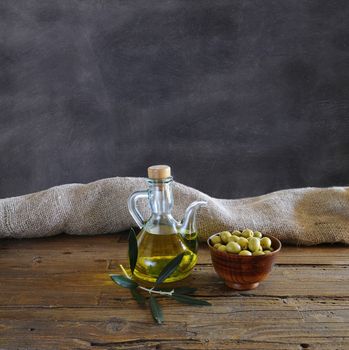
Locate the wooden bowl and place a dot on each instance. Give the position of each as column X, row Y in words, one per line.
column 243, row 272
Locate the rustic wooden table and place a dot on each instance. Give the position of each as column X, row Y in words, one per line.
column 56, row 294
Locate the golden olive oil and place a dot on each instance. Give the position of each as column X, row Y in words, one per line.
column 157, row 250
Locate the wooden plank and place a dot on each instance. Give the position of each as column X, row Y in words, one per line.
column 105, row 259
column 239, row 323
column 85, row 288
column 76, row 253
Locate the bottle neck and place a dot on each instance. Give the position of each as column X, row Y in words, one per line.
column 161, row 196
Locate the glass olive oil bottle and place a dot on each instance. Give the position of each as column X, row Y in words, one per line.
column 162, row 238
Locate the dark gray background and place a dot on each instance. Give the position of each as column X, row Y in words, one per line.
column 239, row 97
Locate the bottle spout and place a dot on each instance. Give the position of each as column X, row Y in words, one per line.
column 188, row 223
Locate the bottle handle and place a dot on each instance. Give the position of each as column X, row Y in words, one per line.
column 132, row 207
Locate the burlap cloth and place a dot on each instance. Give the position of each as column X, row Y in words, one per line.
column 304, row 216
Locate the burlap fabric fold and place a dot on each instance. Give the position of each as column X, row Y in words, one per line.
column 304, row 216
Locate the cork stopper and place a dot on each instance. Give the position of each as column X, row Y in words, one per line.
column 159, row 172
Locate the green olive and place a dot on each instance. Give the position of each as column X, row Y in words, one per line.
column 247, row 233
column 265, row 242
column 216, row 239
column 245, row 252
column 258, row 252
column 233, row 247
column 243, row 242
column 217, row 245
column 266, row 251
column 236, row 233
column 254, row 244
column 257, row 234
column 271, row 249
column 222, row 248
column 224, row 236
column 233, row 238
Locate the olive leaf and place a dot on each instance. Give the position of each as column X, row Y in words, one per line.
column 177, row 293
column 123, row 281
column 156, row 310
column 137, row 296
column 169, row 269
column 189, row 300
column 132, row 249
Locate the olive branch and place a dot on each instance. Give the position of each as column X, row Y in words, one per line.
column 178, row 293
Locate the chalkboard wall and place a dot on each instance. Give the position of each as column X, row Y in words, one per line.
column 239, row 97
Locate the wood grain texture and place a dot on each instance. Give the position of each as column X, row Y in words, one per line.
column 56, row 294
